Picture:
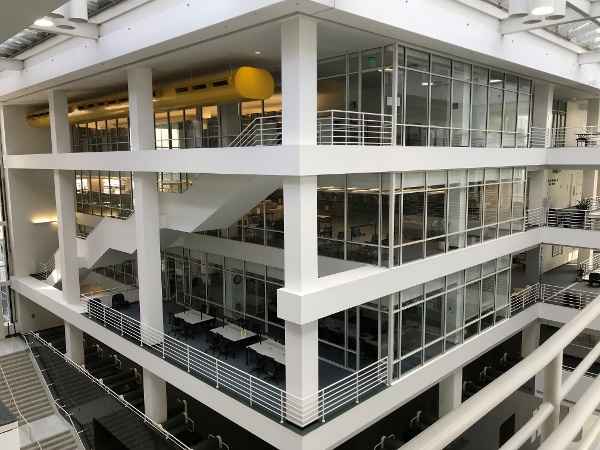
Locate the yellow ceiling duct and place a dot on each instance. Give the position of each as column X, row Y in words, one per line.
column 240, row 84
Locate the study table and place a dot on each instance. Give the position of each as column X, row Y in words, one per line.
column 233, row 332
column 270, row 349
column 194, row 317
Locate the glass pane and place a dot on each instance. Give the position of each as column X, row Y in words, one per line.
column 495, row 111
column 479, row 111
column 331, row 66
column 496, row 79
column 474, row 208
column 440, row 65
column 454, row 310
column 488, row 291
column 511, row 82
column 412, row 217
column 331, row 94
column 371, row 92
column 417, row 60
column 371, row 59
column 436, row 213
column 461, row 104
column 510, row 111
column 472, row 296
column 417, row 102
column 480, row 75
column 433, row 319
column 440, row 101
column 412, row 329
column 461, row 71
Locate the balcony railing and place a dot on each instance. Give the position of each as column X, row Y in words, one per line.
column 334, row 127
column 353, row 128
column 564, row 137
column 254, row 391
column 43, row 270
column 546, row 293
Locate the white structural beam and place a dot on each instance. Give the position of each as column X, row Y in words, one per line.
column 11, row 64
column 82, row 30
column 589, row 58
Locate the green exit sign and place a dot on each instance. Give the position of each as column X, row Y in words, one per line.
column 372, row 61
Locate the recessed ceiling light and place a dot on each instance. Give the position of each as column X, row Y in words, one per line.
column 257, row 53
column 43, row 22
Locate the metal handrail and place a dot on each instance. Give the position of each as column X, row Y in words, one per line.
column 262, row 131
column 336, row 127
column 45, row 269
column 257, row 392
column 156, row 426
column 564, row 137
column 106, row 294
column 18, row 410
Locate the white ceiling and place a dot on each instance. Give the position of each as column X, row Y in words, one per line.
column 17, row 15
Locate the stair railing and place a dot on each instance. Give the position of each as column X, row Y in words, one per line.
column 31, row 430
column 168, row 436
column 44, row 270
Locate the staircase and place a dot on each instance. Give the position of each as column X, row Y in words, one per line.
column 25, row 386
column 62, row 441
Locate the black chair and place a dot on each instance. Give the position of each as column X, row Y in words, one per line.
column 272, row 369
column 212, row 311
column 185, row 330
column 171, row 317
column 175, row 324
column 257, row 361
column 226, row 348
column 216, row 342
column 118, row 301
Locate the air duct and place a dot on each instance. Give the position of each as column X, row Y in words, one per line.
column 518, row 8
column 78, row 11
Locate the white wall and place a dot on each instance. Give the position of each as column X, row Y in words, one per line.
column 33, row 317
column 9, row 436
column 30, row 196
column 18, row 138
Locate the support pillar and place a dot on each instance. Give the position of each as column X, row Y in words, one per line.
column 552, row 383
column 64, row 190
column 450, row 392
column 530, row 339
column 543, row 95
column 155, row 397
column 299, row 127
column 74, row 341
column 593, row 112
column 533, row 266
column 145, row 197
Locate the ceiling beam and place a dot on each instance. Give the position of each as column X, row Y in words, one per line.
column 589, row 58
column 83, row 30
column 11, row 64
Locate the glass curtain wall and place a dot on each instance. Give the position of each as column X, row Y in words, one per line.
column 430, row 212
column 125, row 272
column 439, row 101
column 220, row 286
column 262, row 225
column 104, row 193
column 428, row 319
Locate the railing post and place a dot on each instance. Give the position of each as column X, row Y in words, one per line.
column 188, row 358
column 260, row 127
column 141, row 334
column 281, row 407
column 250, row 390
column 217, row 372
column 121, row 319
column 104, row 315
column 356, row 401
column 361, row 118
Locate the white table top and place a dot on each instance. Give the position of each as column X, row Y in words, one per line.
column 233, row 333
column 270, row 348
column 193, row 317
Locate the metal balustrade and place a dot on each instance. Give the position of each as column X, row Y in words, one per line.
column 336, row 127
column 156, row 426
column 43, row 270
column 130, row 292
column 524, row 298
column 564, row 137
column 256, row 392
column 534, row 217
column 261, row 131
column 555, row 295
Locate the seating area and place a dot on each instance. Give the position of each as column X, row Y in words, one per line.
column 222, row 338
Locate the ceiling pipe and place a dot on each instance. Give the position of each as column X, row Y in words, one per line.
column 59, row 13
column 560, row 10
column 518, row 8
column 64, row 24
column 78, row 11
column 541, row 7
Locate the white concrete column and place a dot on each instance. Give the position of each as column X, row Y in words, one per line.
column 543, row 95
column 64, row 189
column 155, row 397
column 593, row 112
column 552, row 383
column 299, row 81
column 538, row 189
column 590, row 183
column 450, row 392
column 74, row 341
column 299, row 127
column 145, row 199
column 530, row 339
column 533, row 268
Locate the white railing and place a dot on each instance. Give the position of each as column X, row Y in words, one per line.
column 571, row 298
column 524, row 298
column 534, row 217
column 564, row 137
column 353, row 128
column 175, row 182
column 130, row 292
column 156, row 426
column 262, row 131
column 256, row 392
column 32, row 435
column 582, row 219
column 45, row 269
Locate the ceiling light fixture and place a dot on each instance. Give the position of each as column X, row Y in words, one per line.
column 44, row 22
column 64, row 24
column 518, row 8
column 257, row 52
column 59, row 13
column 541, row 7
